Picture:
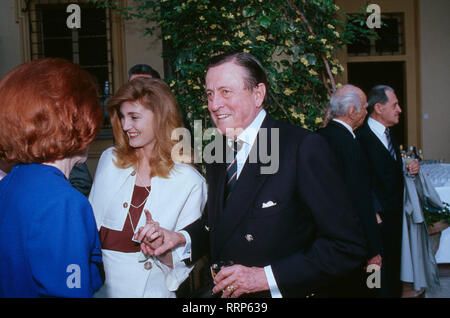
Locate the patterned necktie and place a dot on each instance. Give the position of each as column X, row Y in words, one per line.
column 390, row 145
column 232, row 170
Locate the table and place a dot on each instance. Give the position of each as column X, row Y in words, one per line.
column 443, row 252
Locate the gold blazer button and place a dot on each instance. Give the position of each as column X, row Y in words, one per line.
column 147, row 265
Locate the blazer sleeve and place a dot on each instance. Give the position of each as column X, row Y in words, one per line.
column 338, row 244
column 64, row 249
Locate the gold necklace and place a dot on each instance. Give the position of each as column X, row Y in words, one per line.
column 143, row 202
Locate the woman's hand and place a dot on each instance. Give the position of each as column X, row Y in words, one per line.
column 150, row 235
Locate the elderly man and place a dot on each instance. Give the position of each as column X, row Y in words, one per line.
column 385, row 163
column 348, row 109
column 288, row 232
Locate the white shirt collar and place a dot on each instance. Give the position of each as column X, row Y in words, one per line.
column 378, row 129
column 346, row 126
column 249, row 134
column 376, row 126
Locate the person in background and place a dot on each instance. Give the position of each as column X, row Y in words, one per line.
column 385, row 164
column 139, row 175
column 49, row 243
column 80, row 178
column 348, row 111
column 142, row 70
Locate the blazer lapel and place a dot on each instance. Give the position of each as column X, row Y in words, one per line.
column 378, row 144
column 246, row 188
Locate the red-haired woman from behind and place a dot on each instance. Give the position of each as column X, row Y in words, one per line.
column 49, row 244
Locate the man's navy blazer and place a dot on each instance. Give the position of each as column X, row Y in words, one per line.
column 387, row 178
column 354, row 169
column 309, row 235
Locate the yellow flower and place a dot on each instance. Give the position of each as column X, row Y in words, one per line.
column 202, row 18
column 213, row 26
column 334, row 70
column 319, row 120
column 336, row 7
column 304, row 126
column 240, row 34
column 213, row 38
column 297, row 20
column 312, row 72
column 167, row 37
column 246, row 42
column 246, row 51
column 329, row 26
column 172, row 84
column 311, row 37
column 338, row 85
column 288, row 43
column 304, row 61
column 302, row 117
column 189, row 82
column 205, row 107
column 328, row 55
column 230, row 16
column 329, row 47
column 341, row 67
column 324, row 41
column 223, row 9
column 261, row 38
column 226, row 43
column 196, row 87
column 288, row 91
column 183, row 5
column 337, row 34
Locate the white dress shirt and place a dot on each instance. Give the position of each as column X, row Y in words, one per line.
column 379, row 131
column 346, row 126
column 247, row 137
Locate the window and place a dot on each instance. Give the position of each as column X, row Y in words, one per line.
column 89, row 46
column 390, row 42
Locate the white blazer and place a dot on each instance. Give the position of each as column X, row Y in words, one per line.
column 174, row 202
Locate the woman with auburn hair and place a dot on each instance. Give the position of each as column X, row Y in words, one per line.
column 139, row 174
column 49, row 244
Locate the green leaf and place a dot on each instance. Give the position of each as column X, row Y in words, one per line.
column 248, row 12
column 264, row 21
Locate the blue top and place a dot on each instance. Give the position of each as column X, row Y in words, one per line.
column 49, row 244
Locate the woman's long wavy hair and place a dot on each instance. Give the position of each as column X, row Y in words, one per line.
column 155, row 95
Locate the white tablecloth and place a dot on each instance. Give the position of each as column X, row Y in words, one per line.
column 443, row 253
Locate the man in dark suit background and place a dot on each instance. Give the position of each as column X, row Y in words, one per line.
column 289, row 226
column 385, row 163
column 348, row 110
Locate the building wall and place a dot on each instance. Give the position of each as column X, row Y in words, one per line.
column 140, row 49
column 434, row 38
column 10, row 46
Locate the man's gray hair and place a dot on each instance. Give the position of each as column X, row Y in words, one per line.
column 342, row 100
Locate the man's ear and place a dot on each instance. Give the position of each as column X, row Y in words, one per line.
column 259, row 92
column 351, row 112
column 378, row 108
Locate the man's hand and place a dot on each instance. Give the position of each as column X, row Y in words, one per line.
column 237, row 280
column 413, row 167
column 156, row 241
